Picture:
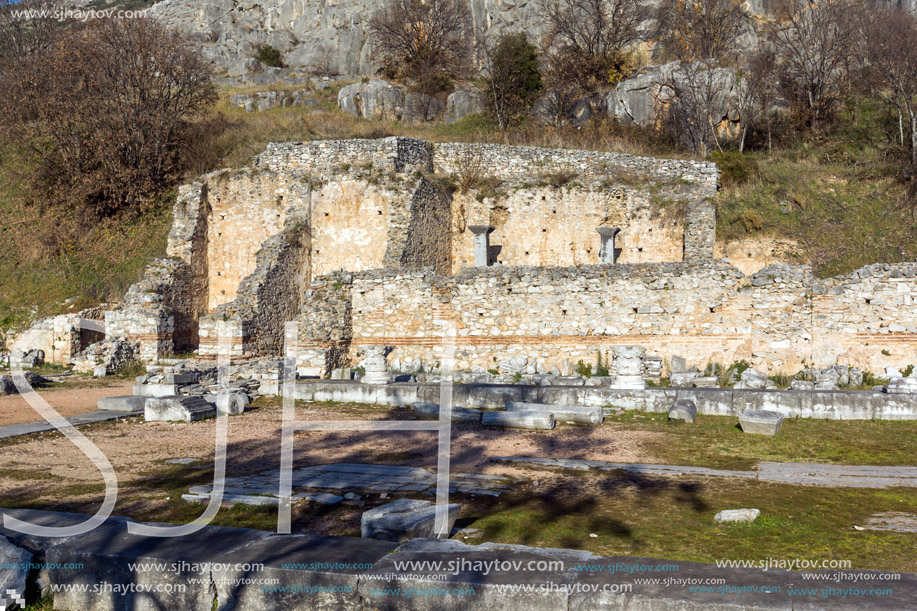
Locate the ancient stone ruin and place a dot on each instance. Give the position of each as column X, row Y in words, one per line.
column 538, row 258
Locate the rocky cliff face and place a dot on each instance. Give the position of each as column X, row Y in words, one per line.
column 331, row 33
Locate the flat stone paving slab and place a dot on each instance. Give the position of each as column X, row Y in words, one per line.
column 328, row 483
column 18, row 430
column 807, row 474
column 894, row 521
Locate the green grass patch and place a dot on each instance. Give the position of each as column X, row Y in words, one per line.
column 669, row 518
column 717, row 441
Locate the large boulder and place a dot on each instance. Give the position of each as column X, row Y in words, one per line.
column 462, row 103
column 644, row 98
column 376, row 99
column 419, row 108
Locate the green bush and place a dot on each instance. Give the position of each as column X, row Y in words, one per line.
column 582, row 369
column 269, row 56
column 513, row 80
column 601, row 366
column 735, row 168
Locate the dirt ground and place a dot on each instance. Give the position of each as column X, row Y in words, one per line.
column 68, row 398
column 135, row 447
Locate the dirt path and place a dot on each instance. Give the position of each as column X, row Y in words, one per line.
column 66, row 399
column 135, row 447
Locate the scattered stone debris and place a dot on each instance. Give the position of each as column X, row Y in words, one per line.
column 404, row 519
column 106, row 357
column 27, row 359
column 737, row 515
column 362, row 479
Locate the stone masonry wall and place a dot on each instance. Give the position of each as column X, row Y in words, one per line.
column 325, row 325
column 246, row 208
column 268, row 297
column 708, row 312
column 546, row 204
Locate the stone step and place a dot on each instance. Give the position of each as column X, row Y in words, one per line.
column 562, row 413
column 177, row 409
column 519, row 420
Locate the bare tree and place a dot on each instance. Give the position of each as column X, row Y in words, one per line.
column 700, row 29
column 106, row 109
column 756, row 94
column 698, row 97
column 592, row 36
column 891, row 47
column 27, row 26
column 813, row 42
column 426, row 42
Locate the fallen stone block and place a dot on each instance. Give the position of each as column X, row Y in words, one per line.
column 404, row 519
column 706, row 382
column 737, row 515
column 519, row 420
column 683, row 409
column 562, row 413
column 754, row 379
column 901, row 386
column 155, row 390
column 6, row 386
column 761, row 421
column 802, row 385
column 430, row 411
column 14, row 574
column 682, row 379
column 124, row 403
column 177, row 409
column 232, row 403
column 180, row 378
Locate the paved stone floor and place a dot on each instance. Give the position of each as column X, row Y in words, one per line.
column 17, row 430
column 329, row 484
column 808, row 474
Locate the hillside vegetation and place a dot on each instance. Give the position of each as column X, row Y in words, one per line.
column 88, row 172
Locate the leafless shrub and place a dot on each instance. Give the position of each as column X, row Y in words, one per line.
column 426, row 42
column 814, row 42
column 701, row 29
column 105, row 110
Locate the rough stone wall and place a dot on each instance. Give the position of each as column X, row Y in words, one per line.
column 268, row 297
column 526, row 162
column 545, row 225
column 60, row 337
column 325, row 325
column 708, row 312
column 246, row 208
column 325, row 160
column 427, row 242
column 546, row 204
column 188, row 242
